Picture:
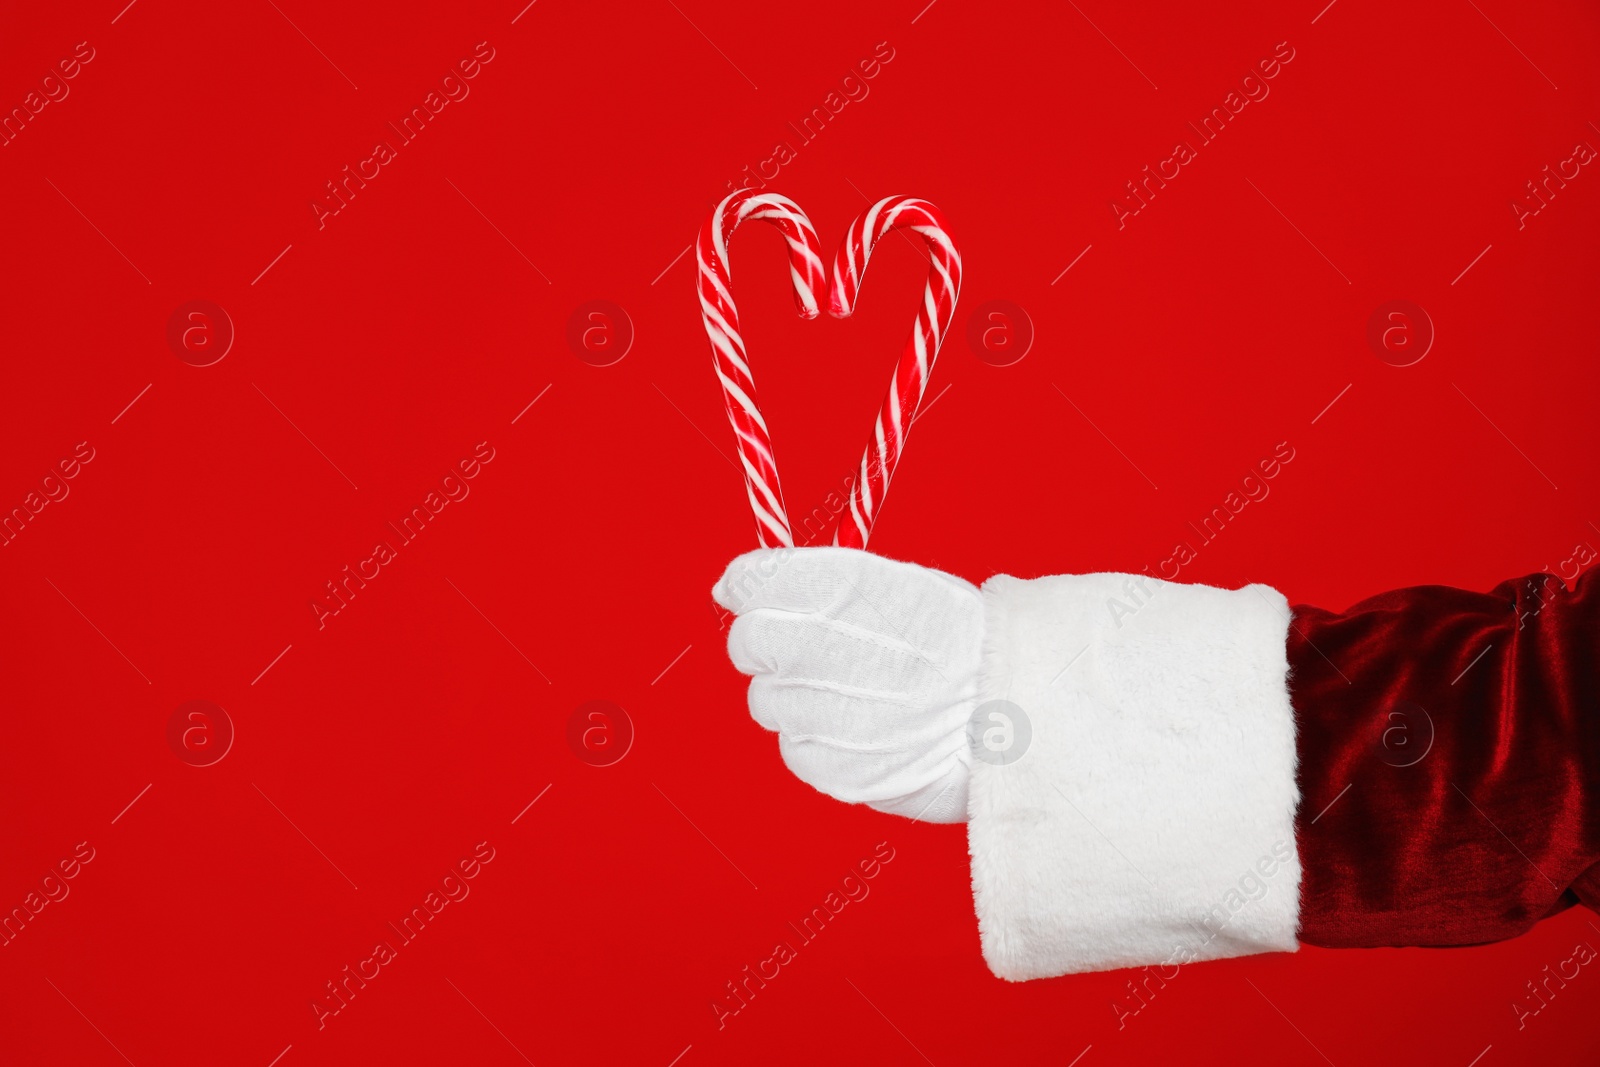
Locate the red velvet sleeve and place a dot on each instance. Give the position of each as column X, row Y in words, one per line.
column 1449, row 762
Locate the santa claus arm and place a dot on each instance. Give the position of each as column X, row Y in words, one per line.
column 1449, row 759
column 1150, row 769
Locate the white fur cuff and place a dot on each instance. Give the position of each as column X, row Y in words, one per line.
column 1150, row 819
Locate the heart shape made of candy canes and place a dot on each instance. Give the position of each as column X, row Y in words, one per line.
column 732, row 360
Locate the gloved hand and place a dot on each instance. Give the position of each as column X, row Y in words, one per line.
column 866, row 668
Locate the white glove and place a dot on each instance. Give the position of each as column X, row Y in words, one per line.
column 866, row 668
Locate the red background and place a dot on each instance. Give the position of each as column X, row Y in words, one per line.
column 378, row 751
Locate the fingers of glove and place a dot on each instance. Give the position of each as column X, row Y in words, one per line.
column 855, row 719
column 921, row 606
column 768, row 641
column 860, row 777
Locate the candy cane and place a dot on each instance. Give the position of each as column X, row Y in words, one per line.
column 727, row 345
column 922, row 347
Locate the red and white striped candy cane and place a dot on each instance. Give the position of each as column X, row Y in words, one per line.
column 727, row 345
column 922, row 348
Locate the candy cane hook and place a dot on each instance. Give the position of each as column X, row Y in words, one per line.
column 728, row 351
column 899, row 407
